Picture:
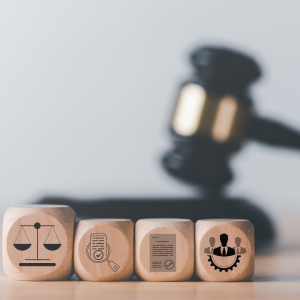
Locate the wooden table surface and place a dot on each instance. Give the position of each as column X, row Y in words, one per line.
column 277, row 276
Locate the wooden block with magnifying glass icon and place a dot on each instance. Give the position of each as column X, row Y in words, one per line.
column 224, row 250
column 38, row 242
column 164, row 249
column 103, row 249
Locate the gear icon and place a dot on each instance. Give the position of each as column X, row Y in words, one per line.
column 234, row 265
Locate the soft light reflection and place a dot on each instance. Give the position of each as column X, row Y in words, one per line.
column 189, row 109
column 224, row 119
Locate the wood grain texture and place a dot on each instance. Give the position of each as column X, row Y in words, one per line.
column 164, row 249
column 37, row 242
column 104, row 250
column 224, row 250
column 267, row 288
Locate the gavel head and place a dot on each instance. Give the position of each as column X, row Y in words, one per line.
column 210, row 117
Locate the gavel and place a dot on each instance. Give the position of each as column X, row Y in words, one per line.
column 213, row 116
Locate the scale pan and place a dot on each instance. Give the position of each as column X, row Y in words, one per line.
column 22, row 247
column 52, row 247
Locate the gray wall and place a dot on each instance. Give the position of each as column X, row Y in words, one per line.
column 87, row 87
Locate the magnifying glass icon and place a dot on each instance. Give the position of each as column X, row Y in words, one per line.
column 100, row 251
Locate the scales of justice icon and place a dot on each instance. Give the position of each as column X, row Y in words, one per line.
column 48, row 246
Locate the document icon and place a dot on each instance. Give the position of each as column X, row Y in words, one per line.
column 162, row 252
column 98, row 250
column 98, row 245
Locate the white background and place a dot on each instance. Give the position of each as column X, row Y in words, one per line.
column 87, row 89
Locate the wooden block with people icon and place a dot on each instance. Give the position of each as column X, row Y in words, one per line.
column 103, row 249
column 37, row 242
column 224, row 250
column 164, row 249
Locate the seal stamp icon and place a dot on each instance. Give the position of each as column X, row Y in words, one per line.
column 98, row 255
column 169, row 264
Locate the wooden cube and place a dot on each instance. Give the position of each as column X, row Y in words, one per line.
column 164, row 249
column 224, row 250
column 103, row 249
column 38, row 242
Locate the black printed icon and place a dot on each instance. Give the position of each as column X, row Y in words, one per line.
column 238, row 249
column 26, row 246
column 98, row 255
column 169, row 264
column 98, row 250
column 224, row 258
column 224, row 250
column 210, row 250
column 162, row 252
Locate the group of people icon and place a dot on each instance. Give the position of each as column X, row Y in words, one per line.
column 224, row 250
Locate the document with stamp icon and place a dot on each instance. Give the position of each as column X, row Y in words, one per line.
column 162, row 252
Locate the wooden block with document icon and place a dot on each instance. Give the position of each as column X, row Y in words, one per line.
column 103, row 249
column 164, row 249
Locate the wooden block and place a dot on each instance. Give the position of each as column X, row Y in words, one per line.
column 224, row 250
column 38, row 242
column 103, row 249
column 164, row 249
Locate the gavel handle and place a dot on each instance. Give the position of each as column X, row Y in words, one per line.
column 273, row 133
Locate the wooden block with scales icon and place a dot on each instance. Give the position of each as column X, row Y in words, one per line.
column 38, row 242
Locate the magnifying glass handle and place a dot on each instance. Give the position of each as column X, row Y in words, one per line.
column 113, row 266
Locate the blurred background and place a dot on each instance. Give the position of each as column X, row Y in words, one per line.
column 87, row 90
